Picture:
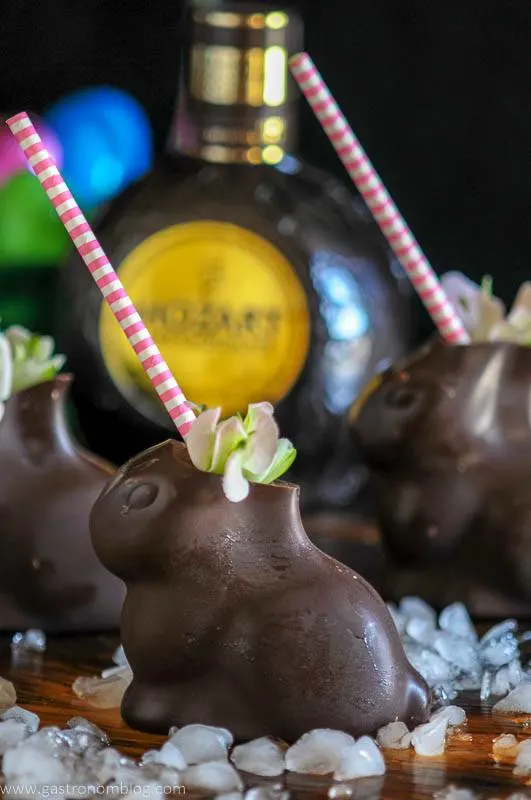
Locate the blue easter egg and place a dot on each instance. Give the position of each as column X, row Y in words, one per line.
column 107, row 142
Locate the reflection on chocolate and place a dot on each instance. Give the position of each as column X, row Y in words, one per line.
column 232, row 616
column 50, row 577
column 449, row 434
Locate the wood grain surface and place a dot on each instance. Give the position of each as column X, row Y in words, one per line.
column 43, row 685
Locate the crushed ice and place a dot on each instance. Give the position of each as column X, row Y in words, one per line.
column 261, row 757
column 202, row 743
column 8, row 695
column 324, row 751
column 81, row 753
column 106, row 691
column 445, row 649
column 32, row 640
column 428, row 739
column 318, row 752
column 448, row 653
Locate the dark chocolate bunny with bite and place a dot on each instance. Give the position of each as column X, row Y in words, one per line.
column 232, row 616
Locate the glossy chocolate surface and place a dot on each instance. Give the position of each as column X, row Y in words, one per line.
column 449, row 434
column 232, row 616
column 50, row 577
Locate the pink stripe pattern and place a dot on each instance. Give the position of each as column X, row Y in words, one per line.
column 103, row 273
column 378, row 200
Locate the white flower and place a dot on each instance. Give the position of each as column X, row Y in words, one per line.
column 6, row 372
column 241, row 450
column 32, row 357
column 25, row 360
column 479, row 310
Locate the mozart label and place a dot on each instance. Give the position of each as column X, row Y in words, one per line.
column 226, row 309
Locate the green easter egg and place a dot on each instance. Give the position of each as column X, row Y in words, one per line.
column 31, row 234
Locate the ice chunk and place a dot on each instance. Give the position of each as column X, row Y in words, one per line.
column 394, row 736
column 485, row 690
column 416, row 607
column 230, row 796
column 31, row 763
column 33, row 640
column 454, row 793
column 51, row 738
column 455, row 619
column 20, row 714
column 411, row 606
column 431, row 666
column 429, row 739
column 523, row 757
column 107, row 764
column 454, row 714
column 340, row 791
column 169, row 755
column 104, row 692
column 119, row 657
column 499, row 645
column 362, row 760
column 215, row 776
column 318, row 752
column 269, row 791
column 202, row 743
column 11, row 733
column 466, row 682
column 8, row 695
column 519, row 700
column 420, row 629
column 506, row 678
column 261, row 757
column 504, row 747
column 82, row 724
column 443, row 693
column 459, row 652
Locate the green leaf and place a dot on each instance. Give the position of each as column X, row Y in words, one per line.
column 487, row 285
column 284, row 458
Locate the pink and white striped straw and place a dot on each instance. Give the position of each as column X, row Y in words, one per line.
column 101, row 270
column 377, row 198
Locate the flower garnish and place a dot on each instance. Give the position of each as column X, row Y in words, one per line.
column 242, row 450
column 25, row 360
column 484, row 315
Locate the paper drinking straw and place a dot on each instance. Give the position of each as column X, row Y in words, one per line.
column 377, row 198
column 101, row 270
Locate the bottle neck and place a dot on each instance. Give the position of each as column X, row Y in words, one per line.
column 237, row 103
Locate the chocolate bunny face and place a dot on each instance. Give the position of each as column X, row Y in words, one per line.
column 234, row 618
column 445, row 401
column 51, row 577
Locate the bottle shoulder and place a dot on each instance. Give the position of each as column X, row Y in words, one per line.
column 291, row 204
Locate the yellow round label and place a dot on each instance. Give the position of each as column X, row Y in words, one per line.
column 226, row 309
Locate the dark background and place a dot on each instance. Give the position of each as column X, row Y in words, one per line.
column 438, row 92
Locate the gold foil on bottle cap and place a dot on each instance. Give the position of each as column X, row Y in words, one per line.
column 240, row 95
column 274, row 20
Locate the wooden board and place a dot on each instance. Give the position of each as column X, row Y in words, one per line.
column 44, row 686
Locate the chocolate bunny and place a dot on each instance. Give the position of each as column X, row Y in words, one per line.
column 448, row 432
column 50, row 577
column 232, row 616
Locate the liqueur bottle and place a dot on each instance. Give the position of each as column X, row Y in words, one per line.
column 259, row 277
